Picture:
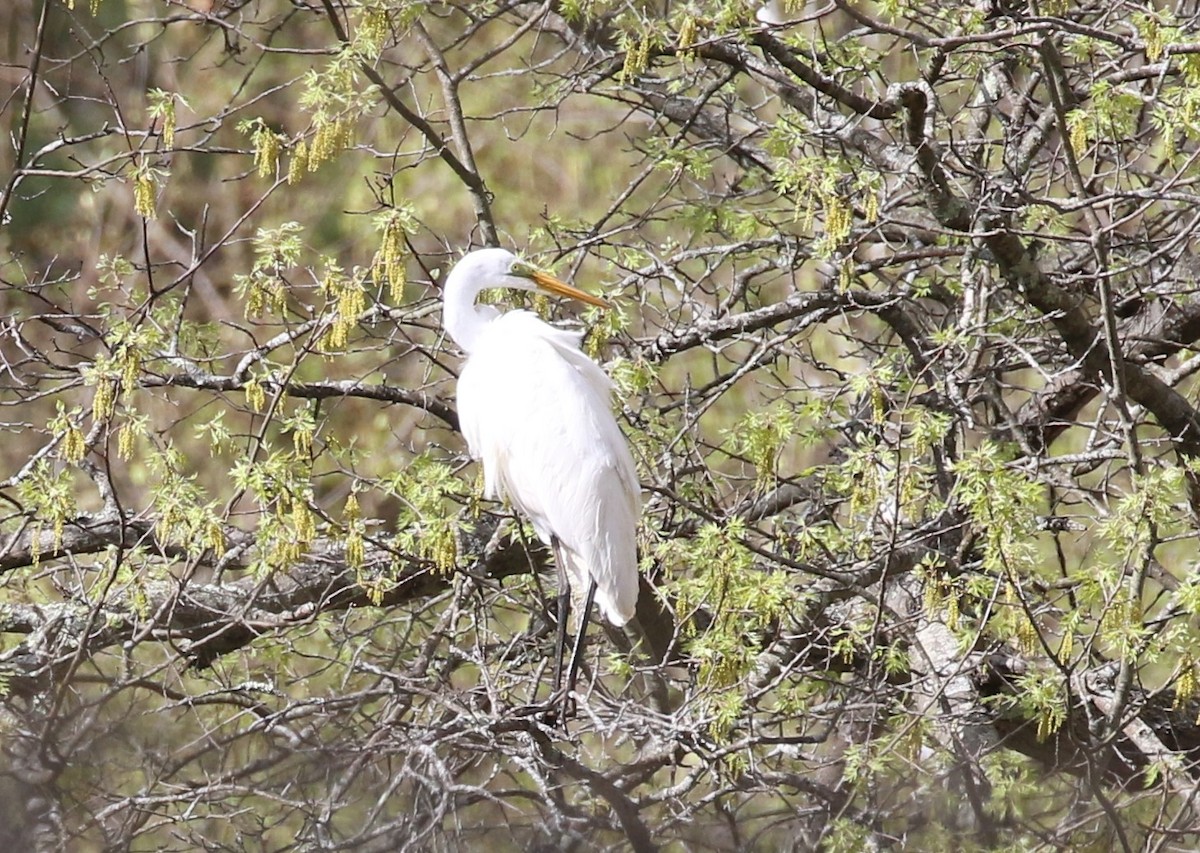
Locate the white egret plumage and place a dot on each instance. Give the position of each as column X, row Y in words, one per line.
column 537, row 413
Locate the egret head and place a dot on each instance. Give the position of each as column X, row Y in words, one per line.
column 501, row 268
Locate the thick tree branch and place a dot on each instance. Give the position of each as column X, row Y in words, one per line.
column 310, row 390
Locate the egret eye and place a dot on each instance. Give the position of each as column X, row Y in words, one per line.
column 521, row 269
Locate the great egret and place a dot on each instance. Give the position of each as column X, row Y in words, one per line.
column 536, row 411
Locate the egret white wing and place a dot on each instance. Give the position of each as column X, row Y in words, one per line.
column 536, row 411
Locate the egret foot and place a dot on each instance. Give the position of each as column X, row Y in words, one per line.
column 554, row 711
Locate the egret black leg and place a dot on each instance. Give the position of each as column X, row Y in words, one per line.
column 577, row 651
column 564, row 611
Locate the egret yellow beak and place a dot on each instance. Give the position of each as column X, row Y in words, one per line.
column 550, row 284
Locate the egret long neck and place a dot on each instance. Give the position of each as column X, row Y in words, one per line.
column 461, row 317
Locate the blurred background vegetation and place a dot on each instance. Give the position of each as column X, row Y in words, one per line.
column 904, row 340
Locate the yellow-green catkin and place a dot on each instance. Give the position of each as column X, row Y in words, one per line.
column 125, row 439
column 303, row 522
column 73, row 445
column 932, row 595
column 104, row 400
column 839, row 217
column 1027, row 635
column 214, row 536
column 871, row 207
column 373, row 31
column 130, row 361
column 348, row 299
column 1067, row 646
column 390, row 261
column 1079, row 134
column 143, row 194
column 637, row 57
column 1185, row 685
column 266, row 150
column 345, row 134
column 168, row 117
column 687, row 36
column 302, row 441
column 331, row 137
column 256, row 396
column 299, row 163
column 355, row 548
column 74, row 448
column 1152, row 38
